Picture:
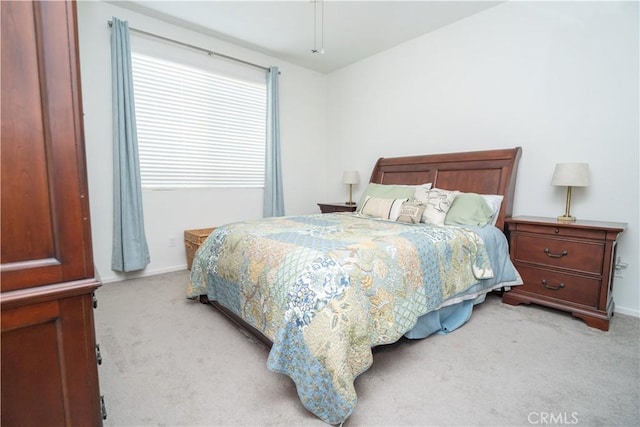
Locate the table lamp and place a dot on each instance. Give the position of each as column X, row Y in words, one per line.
column 351, row 178
column 570, row 175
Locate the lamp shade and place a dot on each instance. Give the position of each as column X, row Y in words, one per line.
column 571, row 175
column 350, row 177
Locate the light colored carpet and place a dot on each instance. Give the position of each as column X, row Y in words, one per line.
column 173, row 362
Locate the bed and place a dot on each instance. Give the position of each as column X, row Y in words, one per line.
column 322, row 290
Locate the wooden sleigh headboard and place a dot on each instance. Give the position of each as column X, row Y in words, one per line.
column 482, row 172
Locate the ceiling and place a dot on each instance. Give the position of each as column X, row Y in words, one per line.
column 353, row 30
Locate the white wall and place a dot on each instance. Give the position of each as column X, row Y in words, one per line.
column 168, row 213
column 559, row 79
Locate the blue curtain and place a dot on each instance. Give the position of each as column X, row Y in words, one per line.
column 273, row 197
column 130, row 251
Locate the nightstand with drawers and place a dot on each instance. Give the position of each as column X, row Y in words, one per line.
column 565, row 265
column 336, row 207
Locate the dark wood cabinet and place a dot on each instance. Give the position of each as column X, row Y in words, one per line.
column 336, row 207
column 565, row 265
column 49, row 362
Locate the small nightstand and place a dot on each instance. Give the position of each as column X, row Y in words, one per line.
column 336, row 207
column 192, row 241
column 565, row 265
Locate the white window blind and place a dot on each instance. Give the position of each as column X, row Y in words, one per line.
column 197, row 128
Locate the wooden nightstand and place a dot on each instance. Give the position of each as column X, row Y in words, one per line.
column 336, row 207
column 566, row 266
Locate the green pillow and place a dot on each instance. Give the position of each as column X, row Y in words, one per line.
column 469, row 209
column 385, row 191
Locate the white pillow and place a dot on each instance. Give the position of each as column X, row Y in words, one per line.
column 382, row 208
column 494, row 201
column 437, row 203
column 389, row 191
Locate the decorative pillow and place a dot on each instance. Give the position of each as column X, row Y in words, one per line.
column 386, row 191
column 469, row 209
column 437, row 203
column 495, row 202
column 382, row 208
column 411, row 212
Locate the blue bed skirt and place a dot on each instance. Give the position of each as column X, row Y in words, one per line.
column 442, row 321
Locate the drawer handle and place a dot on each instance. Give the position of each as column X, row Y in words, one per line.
column 549, row 254
column 552, row 287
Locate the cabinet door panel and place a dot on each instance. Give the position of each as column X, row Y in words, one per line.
column 32, row 385
column 44, row 208
column 49, row 366
column 26, row 221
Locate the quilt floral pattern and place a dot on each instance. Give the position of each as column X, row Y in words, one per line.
column 327, row 288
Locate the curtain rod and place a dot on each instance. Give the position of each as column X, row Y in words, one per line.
column 207, row 51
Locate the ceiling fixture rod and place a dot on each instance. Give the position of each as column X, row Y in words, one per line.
column 322, row 33
column 315, row 31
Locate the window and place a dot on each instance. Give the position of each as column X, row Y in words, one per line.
column 197, row 128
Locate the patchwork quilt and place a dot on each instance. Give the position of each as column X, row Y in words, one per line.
column 327, row 288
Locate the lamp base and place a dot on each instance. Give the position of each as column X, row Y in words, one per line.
column 565, row 218
column 350, row 203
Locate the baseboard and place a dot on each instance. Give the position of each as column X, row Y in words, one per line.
column 626, row 311
column 144, row 273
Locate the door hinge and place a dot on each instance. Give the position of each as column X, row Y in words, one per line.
column 103, row 408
